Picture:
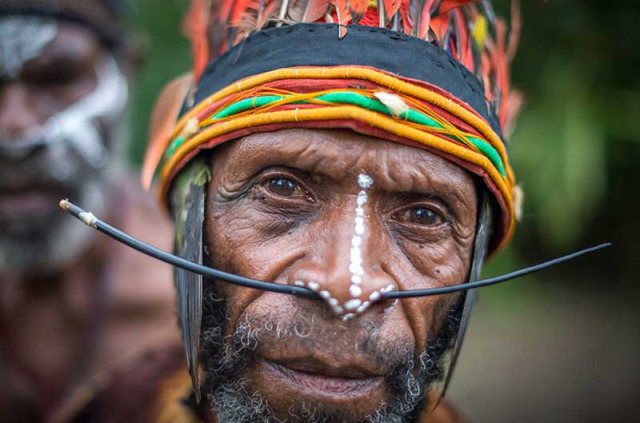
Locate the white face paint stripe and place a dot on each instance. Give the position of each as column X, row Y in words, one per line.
column 355, row 259
column 23, row 38
column 356, row 304
column 107, row 101
column 76, row 126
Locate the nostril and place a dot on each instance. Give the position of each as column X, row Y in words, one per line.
column 327, row 297
column 345, row 303
column 335, row 285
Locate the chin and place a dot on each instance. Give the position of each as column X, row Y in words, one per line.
column 266, row 391
column 267, row 368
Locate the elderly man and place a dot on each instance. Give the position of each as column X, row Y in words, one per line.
column 348, row 162
column 71, row 305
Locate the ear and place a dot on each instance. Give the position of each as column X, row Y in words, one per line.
column 163, row 122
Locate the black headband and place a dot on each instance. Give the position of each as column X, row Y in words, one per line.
column 317, row 44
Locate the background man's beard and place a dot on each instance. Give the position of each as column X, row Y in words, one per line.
column 226, row 356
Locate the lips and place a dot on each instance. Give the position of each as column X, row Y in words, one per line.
column 318, row 377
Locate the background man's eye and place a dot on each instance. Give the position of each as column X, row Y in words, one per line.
column 58, row 77
column 420, row 216
column 282, row 186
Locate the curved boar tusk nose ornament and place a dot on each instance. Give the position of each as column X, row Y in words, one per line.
column 90, row 220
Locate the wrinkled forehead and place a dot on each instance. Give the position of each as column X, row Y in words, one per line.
column 341, row 156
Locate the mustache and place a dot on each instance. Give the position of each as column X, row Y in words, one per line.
column 360, row 344
column 227, row 355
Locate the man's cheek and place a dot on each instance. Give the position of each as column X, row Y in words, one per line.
column 426, row 316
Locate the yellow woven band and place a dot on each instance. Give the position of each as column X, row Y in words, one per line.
column 379, row 121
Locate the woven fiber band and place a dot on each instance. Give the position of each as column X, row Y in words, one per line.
column 273, row 100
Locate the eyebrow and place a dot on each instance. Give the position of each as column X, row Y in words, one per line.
column 316, row 165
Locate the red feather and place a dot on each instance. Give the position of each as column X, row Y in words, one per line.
column 425, row 20
column 448, row 5
column 516, row 28
column 420, row 16
column 440, row 24
column 196, row 24
column 390, row 8
column 342, row 10
column 358, row 9
column 163, row 120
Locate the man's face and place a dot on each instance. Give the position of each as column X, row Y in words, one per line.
column 288, row 207
column 59, row 93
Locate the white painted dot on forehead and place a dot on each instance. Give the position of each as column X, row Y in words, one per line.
column 23, row 38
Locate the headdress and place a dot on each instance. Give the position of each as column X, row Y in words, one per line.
column 426, row 73
column 430, row 73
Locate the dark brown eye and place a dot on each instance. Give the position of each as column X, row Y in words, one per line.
column 283, row 187
column 420, row 216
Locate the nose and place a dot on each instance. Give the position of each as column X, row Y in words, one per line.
column 345, row 263
column 17, row 114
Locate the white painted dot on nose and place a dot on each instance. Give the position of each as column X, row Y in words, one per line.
column 375, row 296
column 356, row 241
column 352, row 304
column 348, row 316
column 325, row 294
column 338, row 309
column 356, row 269
column 299, row 283
column 313, row 286
column 388, row 288
column 355, row 256
column 355, row 290
column 357, row 279
column 333, row 302
column 363, row 307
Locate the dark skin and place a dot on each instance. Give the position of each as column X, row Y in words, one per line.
column 62, row 74
column 281, row 207
column 66, row 324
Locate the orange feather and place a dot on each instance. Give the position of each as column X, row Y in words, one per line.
column 390, row 8
column 448, row 5
column 425, row 20
column 358, row 9
column 163, row 121
column 196, row 24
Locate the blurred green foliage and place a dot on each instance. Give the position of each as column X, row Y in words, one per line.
column 576, row 146
column 165, row 55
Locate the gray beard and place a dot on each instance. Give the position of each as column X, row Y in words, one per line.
column 232, row 400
